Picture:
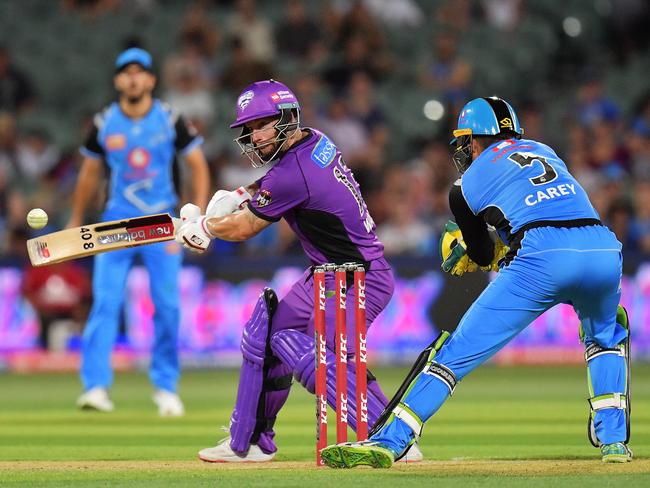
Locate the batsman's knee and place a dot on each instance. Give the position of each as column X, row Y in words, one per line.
column 254, row 336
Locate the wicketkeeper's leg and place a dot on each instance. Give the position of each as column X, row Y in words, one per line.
column 504, row 308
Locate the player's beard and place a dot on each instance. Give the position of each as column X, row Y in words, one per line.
column 134, row 99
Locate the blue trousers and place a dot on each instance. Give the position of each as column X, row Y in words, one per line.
column 580, row 266
column 163, row 262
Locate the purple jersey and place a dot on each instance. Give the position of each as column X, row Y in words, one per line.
column 316, row 193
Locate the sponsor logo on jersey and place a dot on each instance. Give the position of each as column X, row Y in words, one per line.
column 115, row 142
column 139, row 158
column 245, row 98
column 324, row 152
column 264, row 198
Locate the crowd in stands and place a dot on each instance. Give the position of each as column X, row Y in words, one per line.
column 352, row 64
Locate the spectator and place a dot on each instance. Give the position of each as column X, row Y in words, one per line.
column 347, row 132
column 396, row 13
column 16, row 92
column 188, row 93
column 641, row 226
column 57, row 292
column 36, row 154
column 503, row 15
column 593, row 106
column 362, row 101
column 448, row 73
column 255, row 33
column 620, row 218
column 357, row 56
column 243, row 68
column 297, row 34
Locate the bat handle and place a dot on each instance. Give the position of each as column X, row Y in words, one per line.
column 177, row 223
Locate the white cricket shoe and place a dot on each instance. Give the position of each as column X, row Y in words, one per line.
column 413, row 456
column 96, row 399
column 222, row 453
column 169, row 404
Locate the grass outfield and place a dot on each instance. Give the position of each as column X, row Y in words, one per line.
column 503, row 427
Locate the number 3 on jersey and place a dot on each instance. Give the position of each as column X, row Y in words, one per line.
column 524, row 160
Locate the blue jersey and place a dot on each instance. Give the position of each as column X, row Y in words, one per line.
column 140, row 155
column 518, row 182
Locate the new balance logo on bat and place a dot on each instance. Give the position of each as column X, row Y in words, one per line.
column 138, row 234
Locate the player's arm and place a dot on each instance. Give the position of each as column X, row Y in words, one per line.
column 90, row 176
column 187, row 143
column 199, row 176
column 479, row 244
column 239, row 226
column 197, row 231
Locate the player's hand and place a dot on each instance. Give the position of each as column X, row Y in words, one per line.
column 225, row 202
column 189, row 211
column 193, row 234
column 453, row 251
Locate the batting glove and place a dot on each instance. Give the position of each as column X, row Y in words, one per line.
column 193, row 232
column 225, row 202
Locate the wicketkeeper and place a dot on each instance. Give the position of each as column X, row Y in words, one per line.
column 559, row 252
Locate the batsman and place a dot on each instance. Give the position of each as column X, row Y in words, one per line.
column 557, row 251
column 309, row 185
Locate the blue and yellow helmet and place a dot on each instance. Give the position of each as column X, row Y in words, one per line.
column 489, row 116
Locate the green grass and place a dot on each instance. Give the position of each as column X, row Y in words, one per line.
column 502, row 427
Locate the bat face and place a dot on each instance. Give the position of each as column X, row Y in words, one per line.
column 96, row 238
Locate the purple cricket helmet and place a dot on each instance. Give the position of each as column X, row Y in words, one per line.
column 262, row 99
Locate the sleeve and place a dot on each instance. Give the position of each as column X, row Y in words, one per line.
column 280, row 190
column 187, row 137
column 480, row 247
column 92, row 147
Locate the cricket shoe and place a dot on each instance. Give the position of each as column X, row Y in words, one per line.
column 169, row 404
column 414, row 455
column 352, row 454
column 96, row 399
column 617, row 452
column 223, row 453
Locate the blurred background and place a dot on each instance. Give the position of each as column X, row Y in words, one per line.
column 385, row 79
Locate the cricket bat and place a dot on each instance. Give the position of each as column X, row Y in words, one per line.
column 91, row 239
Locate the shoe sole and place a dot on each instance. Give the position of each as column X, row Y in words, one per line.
column 224, row 461
column 92, row 408
column 617, row 458
column 350, row 457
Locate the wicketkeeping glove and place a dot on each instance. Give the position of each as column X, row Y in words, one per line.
column 453, row 251
column 500, row 251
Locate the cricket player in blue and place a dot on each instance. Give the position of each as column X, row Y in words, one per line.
column 557, row 251
column 134, row 142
